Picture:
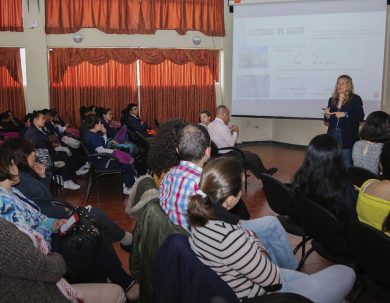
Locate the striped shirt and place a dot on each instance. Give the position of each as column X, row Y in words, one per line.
column 176, row 189
column 236, row 257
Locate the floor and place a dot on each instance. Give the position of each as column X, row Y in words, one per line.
column 287, row 159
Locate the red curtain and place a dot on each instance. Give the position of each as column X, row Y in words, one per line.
column 64, row 57
column 11, row 83
column 174, row 83
column 11, row 15
column 205, row 16
column 135, row 16
column 170, row 90
column 109, row 84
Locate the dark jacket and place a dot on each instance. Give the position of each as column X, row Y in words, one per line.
column 181, row 277
column 349, row 125
column 150, row 232
column 134, row 124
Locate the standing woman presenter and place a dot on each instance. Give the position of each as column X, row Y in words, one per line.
column 344, row 112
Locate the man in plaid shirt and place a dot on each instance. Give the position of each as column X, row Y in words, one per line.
column 182, row 181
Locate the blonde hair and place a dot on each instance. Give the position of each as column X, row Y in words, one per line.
column 348, row 94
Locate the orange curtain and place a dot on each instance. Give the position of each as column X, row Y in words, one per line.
column 109, row 16
column 11, row 83
column 206, row 16
column 109, row 84
column 11, row 15
column 169, row 90
column 135, row 16
column 64, row 57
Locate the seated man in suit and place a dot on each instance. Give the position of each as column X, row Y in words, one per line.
column 134, row 122
column 224, row 135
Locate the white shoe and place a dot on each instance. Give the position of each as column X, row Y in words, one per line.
column 71, row 185
column 87, row 165
column 126, row 190
column 82, row 171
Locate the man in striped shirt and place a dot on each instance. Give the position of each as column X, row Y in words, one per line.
column 182, row 181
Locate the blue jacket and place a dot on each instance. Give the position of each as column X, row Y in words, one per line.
column 181, row 277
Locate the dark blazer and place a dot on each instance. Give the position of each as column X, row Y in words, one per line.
column 39, row 138
column 349, row 125
column 134, row 124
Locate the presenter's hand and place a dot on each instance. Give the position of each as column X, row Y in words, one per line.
column 339, row 114
column 327, row 112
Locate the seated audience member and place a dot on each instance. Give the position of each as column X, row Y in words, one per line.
column 117, row 136
column 374, row 132
column 10, row 123
column 238, row 256
column 30, row 273
column 28, row 120
column 162, row 155
column 34, row 184
column 96, row 143
column 373, row 204
column 323, row 179
column 386, row 225
column 205, row 118
column 17, row 208
column 182, row 181
column 224, row 135
column 37, row 134
column 133, row 121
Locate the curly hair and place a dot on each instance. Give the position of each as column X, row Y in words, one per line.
column 162, row 154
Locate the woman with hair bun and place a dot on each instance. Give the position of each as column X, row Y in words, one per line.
column 374, row 132
column 237, row 256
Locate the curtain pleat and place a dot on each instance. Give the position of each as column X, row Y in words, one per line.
column 11, row 82
column 169, row 90
column 174, row 83
column 135, row 16
column 11, row 15
column 110, row 85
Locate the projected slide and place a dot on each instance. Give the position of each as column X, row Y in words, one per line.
column 287, row 65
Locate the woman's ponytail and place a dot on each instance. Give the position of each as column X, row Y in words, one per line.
column 199, row 211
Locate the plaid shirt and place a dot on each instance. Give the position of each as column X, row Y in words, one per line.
column 176, row 189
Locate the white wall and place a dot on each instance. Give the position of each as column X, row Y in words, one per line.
column 37, row 43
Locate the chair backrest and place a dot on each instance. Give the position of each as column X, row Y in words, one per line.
column 181, row 277
column 320, row 224
column 279, row 196
column 214, row 149
column 358, row 175
column 371, row 248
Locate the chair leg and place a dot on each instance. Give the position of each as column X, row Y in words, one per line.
column 90, row 182
column 304, row 258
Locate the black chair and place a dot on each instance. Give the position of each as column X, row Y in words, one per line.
column 282, row 201
column 215, row 153
column 181, row 277
column 95, row 174
column 371, row 249
column 326, row 231
column 359, row 175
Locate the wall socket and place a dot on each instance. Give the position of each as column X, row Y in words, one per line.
column 34, row 23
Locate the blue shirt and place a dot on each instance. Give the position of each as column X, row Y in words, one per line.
column 16, row 208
